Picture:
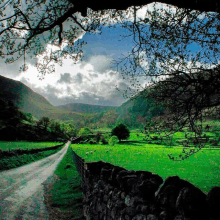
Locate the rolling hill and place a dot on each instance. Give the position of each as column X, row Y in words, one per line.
column 133, row 113
column 31, row 102
column 25, row 98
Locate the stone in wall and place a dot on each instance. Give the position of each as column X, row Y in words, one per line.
column 191, row 203
column 213, row 202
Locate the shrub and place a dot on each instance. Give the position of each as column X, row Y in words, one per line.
column 103, row 140
column 84, row 132
column 98, row 137
column 113, row 140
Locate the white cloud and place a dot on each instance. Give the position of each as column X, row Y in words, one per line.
column 82, row 82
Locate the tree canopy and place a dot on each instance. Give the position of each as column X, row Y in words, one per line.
column 27, row 28
column 84, row 132
column 121, row 131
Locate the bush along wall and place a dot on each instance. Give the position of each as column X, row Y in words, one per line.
column 113, row 193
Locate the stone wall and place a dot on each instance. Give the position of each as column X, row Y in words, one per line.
column 113, row 193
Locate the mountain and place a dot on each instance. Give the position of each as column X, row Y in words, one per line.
column 25, row 98
column 85, row 108
column 133, row 113
column 31, row 102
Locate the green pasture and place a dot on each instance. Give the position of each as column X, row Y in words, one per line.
column 24, row 145
column 202, row 169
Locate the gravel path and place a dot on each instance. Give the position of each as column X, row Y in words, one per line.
column 21, row 189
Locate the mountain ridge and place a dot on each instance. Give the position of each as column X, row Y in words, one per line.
column 133, row 112
column 85, row 108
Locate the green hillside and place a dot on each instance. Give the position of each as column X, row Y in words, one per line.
column 31, row 102
column 22, row 96
column 85, row 108
column 133, row 113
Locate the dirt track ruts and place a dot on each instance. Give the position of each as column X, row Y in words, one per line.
column 21, row 189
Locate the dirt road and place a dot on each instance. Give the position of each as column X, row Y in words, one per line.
column 21, row 189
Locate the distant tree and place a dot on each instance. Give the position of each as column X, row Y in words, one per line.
column 44, row 121
column 121, row 131
column 113, row 140
column 29, row 117
column 55, row 126
column 104, row 139
column 14, row 121
column 69, row 130
column 98, row 136
column 84, row 132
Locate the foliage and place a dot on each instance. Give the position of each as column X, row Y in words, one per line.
column 84, row 132
column 29, row 117
column 62, row 129
column 10, row 113
column 121, row 131
column 177, row 51
column 69, row 130
column 44, row 121
column 104, row 139
column 113, row 140
column 98, row 136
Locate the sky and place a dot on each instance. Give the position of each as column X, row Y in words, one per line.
column 92, row 81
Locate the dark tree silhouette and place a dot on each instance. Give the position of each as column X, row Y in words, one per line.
column 44, row 121
column 121, row 131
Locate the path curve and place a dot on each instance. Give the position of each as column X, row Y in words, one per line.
column 21, row 189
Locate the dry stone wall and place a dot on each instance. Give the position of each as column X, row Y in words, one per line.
column 113, row 193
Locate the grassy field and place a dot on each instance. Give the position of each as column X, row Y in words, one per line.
column 202, row 169
column 6, row 145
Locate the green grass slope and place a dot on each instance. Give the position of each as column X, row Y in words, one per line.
column 31, row 102
column 25, row 98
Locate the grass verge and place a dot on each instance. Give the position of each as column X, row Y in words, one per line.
column 66, row 196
